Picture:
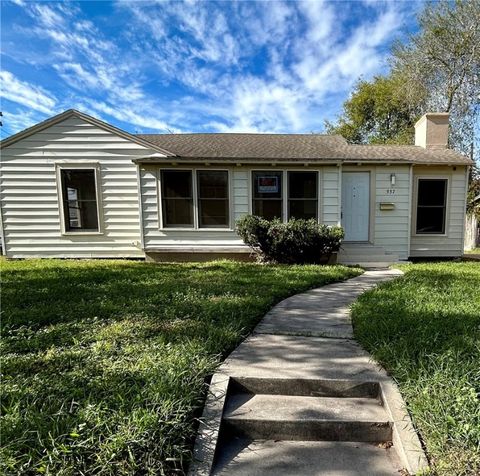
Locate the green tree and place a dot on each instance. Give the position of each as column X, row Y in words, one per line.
column 436, row 69
column 378, row 112
column 442, row 60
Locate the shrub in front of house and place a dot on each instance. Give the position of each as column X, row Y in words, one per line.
column 297, row 241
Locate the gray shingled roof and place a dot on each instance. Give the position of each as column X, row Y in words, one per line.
column 293, row 147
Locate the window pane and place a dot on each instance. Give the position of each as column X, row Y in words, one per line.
column 432, row 192
column 431, row 220
column 177, row 212
column 213, row 198
column 177, row 198
column 302, row 209
column 213, row 213
column 79, row 199
column 267, row 184
column 213, row 184
column 177, row 183
column 302, row 184
column 268, row 209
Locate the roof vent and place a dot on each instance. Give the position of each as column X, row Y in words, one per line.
column 431, row 130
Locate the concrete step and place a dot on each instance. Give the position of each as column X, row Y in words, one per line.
column 363, row 250
column 369, row 264
column 303, row 418
column 242, row 457
column 304, row 387
column 368, row 258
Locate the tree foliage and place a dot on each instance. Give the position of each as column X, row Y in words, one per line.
column 378, row 112
column 442, row 60
column 436, row 69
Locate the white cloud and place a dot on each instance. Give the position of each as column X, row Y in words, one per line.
column 19, row 120
column 246, row 66
column 146, row 119
column 26, row 94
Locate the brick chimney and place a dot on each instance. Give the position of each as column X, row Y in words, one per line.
column 431, row 130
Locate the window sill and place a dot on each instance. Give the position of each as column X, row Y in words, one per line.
column 82, row 233
column 197, row 229
column 439, row 235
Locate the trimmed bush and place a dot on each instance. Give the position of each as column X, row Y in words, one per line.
column 297, row 241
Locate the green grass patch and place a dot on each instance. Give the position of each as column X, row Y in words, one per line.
column 105, row 362
column 425, row 329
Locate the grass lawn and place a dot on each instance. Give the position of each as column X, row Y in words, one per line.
column 425, row 329
column 104, row 362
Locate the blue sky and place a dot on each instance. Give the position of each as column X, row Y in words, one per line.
column 193, row 66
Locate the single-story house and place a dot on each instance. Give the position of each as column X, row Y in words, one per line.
column 76, row 187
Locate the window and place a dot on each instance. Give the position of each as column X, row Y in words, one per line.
column 192, row 199
column 267, row 195
column 177, row 198
column 431, row 206
column 79, row 195
column 302, row 195
column 212, row 198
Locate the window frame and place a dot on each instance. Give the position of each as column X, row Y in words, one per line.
column 317, row 195
column 196, row 217
column 95, row 166
column 282, row 191
column 447, row 205
column 199, row 199
column 161, row 204
column 284, row 171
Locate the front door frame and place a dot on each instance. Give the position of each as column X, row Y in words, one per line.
column 371, row 215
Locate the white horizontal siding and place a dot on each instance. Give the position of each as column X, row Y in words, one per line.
column 30, row 208
column 330, row 195
column 452, row 243
column 391, row 227
column 241, row 192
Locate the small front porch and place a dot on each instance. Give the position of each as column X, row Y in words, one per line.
column 366, row 255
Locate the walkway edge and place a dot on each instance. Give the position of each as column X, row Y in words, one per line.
column 405, row 438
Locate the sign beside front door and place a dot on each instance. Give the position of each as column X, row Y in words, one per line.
column 356, row 205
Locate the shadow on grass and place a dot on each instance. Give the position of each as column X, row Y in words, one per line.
column 105, row 361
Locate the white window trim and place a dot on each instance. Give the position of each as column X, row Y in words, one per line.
column 447, row 206
column 196, row 227
column 95, row 166
column 287, row 192
column 285, row 189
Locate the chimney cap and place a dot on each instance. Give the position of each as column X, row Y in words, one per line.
column 431, row 115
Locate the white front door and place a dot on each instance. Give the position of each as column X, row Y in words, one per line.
column 356, row 205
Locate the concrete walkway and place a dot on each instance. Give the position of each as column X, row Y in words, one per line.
column 296, row 397
column 309, row 335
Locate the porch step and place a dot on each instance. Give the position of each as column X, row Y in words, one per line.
column 364, row 250
column 307, row 418
column 370, row 265
column 306, row 458
column 305, row 426
column 366, row 258
column 366, row 255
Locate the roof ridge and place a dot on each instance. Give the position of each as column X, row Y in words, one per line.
column 307, row 134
